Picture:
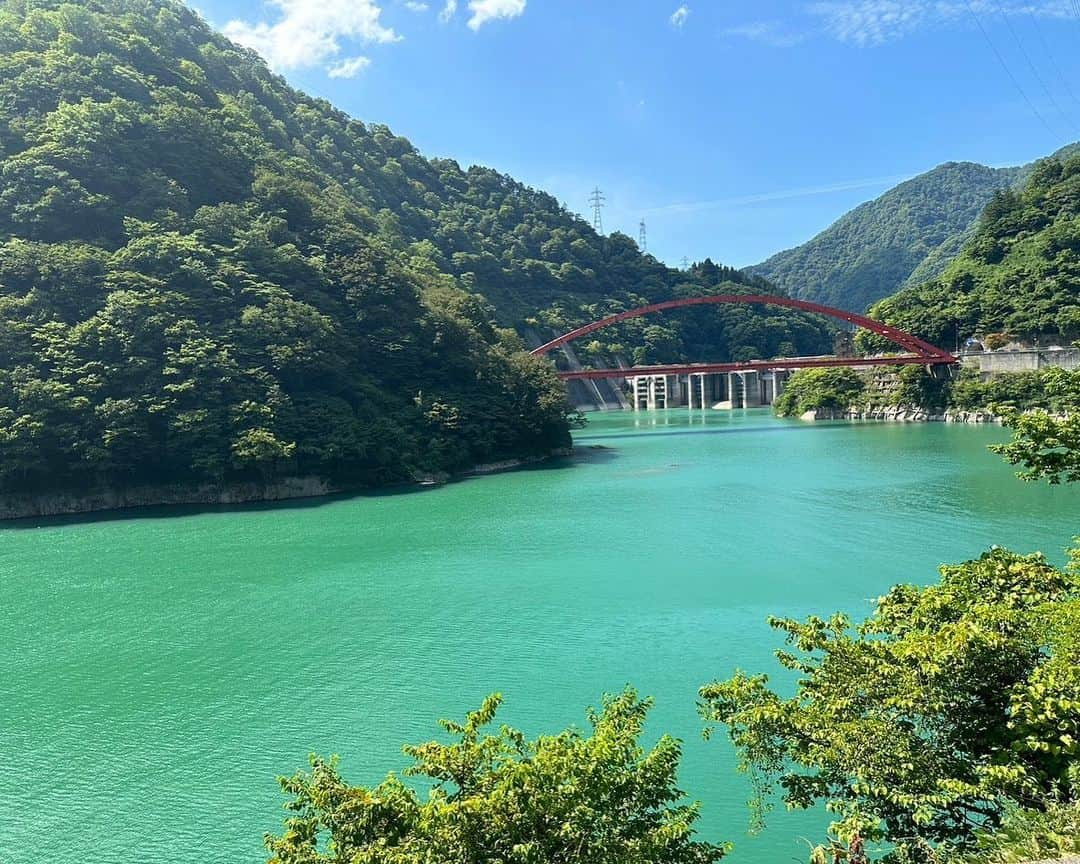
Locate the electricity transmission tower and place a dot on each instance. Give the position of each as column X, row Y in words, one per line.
column 597, row 200
column 685, row 263
column 642, row 242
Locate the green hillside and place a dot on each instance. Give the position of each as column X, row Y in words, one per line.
column 187, row 294
column 1019, row 275
column 876, row 248
column 208, row 276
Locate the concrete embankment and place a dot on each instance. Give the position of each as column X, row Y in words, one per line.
column 602, row 395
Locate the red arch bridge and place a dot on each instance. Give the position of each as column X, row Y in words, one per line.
column 741, row 377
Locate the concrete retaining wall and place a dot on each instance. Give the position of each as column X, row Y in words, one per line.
column 1031, row 360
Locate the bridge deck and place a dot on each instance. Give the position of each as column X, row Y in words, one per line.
column 757, row 366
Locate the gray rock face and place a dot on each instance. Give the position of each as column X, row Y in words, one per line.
column 23, row 506
column 902, row 414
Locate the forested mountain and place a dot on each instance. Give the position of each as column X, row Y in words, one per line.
column 188, row 295
column 902, row 239
column 872, row 251
column 206, row 275
column 1019, row 275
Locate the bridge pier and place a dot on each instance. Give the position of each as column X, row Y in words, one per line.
column 653, row 392
column 740, row 388
column 745, row 388
column 772, row 385
column 697, row 391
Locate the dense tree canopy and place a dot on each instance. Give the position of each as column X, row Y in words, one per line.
column 819, row 390
column 569, row 798
column 187, row 294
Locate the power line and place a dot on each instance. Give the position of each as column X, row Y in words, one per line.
column 1046, row 45
column 597, row 200
column 1008, row 71
column 1031, row 65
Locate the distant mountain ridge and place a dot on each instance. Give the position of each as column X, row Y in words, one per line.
column 1018, row 277
column 907, row 236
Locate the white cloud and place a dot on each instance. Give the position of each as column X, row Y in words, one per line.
column 448, row 11
column 349, row 68
column 679, row 16
column 491, row 10
column 415, row 6
column 308, row 32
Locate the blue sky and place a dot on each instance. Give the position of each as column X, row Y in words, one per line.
column 735, row 129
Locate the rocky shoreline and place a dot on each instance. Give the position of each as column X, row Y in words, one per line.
column 29, row 506
column 902, row 414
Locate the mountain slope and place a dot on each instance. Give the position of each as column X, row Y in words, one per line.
column 1019, row 274
column 871, row 251
column 901, row 239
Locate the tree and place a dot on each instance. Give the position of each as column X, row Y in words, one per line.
column 1048, row 447
column 819, row 389
column 925, row 725
column 563, row 799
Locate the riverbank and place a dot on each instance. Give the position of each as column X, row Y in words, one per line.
column 27, row 506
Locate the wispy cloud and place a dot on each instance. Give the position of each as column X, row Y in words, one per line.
column 309, row 32
column 349, row 68
column 777, row 195
column 771, row 33
column 679, row 16
column 872, row 22
column 448, row 11
column 484, row 11
column 876, row 22
column 416, row 6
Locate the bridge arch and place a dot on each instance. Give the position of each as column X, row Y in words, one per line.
column 922, row 350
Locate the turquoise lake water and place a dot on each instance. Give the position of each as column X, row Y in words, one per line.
column 159, row 670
